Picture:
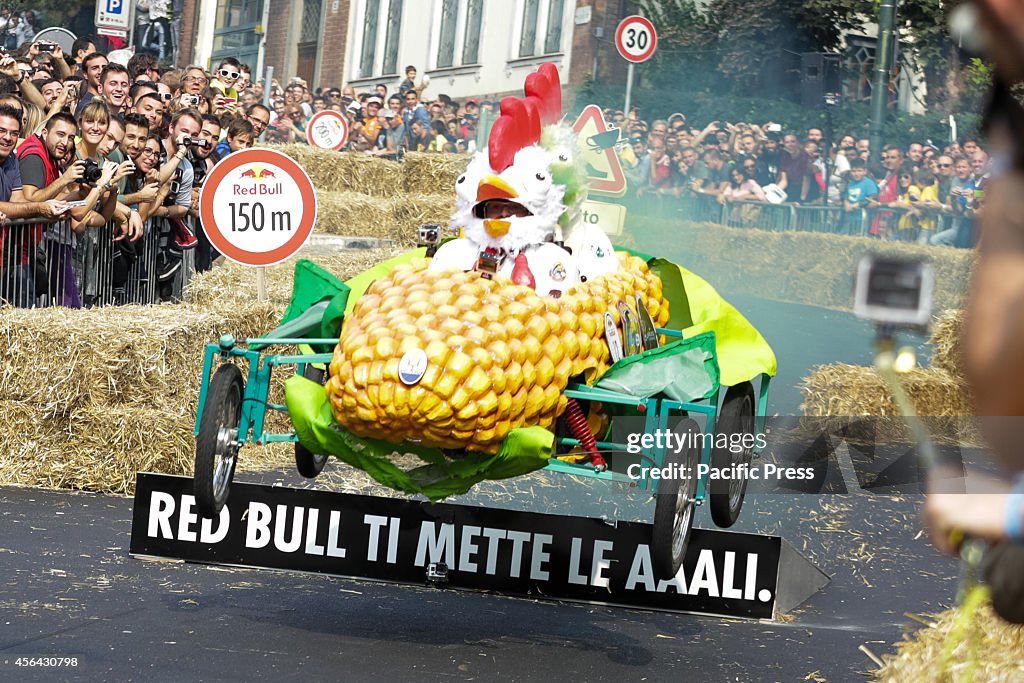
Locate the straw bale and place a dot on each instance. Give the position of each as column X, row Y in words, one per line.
column 432, row 173
column 228, row 284
column 409, row 211
column 846, row 394
column 353, row 214
column 797, row 267
column 60, row 360
column 347, row 171
column 854, row 390
column 97, row 449
column 946, row 341
column 920, row 654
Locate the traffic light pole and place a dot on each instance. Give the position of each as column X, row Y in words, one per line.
column 883, row 67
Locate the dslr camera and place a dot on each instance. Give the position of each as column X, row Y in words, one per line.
column 894, row 292
column 91, row 172
column 197, row 142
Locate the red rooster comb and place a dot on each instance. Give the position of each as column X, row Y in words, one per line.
column 545, row 85
column 518, row 127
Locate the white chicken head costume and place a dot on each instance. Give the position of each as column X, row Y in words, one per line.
column 507, row 199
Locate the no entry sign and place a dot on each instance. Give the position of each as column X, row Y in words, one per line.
column 636, row 39
column 258, row 207
column 327, row 130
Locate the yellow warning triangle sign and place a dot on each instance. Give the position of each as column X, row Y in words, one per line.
column 597, row 143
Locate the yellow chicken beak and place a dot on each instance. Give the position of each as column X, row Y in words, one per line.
column 496, row 228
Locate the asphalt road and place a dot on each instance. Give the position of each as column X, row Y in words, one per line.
column 69, row 589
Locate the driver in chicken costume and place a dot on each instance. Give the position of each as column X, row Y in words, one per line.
column 463, row 359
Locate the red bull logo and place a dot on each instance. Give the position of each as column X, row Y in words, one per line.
column 257, row 173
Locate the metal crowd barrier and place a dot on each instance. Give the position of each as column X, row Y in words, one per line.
column 900, row 223
column 47, row 264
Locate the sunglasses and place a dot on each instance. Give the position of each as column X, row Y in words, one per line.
column 229, row 74
column 945, row 165
column 165, row 96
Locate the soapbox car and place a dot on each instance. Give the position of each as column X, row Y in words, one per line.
column 705, row 417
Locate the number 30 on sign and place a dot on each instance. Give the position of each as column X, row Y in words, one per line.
column 258, row 207
column 636, row 39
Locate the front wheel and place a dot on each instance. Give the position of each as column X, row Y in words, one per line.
column 310, row 464
column 217, row 443
column 673, row 510
column 736, row 422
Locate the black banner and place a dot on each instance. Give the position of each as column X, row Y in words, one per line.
column 509, row 552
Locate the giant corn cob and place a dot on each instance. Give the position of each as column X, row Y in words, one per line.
column 499, row 355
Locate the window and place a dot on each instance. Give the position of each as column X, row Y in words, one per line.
column 471, row 37
column 391, row 42
column 446, row 46
column 528, row 37
column 553, row 39
column 311, row 11
column 540, row 27
column 369, row 52
column 375, row 47
column 457, row 29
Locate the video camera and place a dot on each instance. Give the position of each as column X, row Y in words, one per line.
column 429, row 236
column 197, row 142
column 894, row 292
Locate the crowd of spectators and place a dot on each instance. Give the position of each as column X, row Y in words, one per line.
column 109, row 153
column 90, row 140
column 918, row 193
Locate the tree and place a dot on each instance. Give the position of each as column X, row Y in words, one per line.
column 951, row 79
column 747, row 45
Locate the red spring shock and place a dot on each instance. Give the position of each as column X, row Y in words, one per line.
column 581, row 430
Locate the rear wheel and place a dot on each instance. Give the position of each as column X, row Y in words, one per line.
column 217, row 443
column 674, row 506
column 310, row 464
column 736, row 421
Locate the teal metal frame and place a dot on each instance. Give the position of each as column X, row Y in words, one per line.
column 656, row 411
column 257, row 384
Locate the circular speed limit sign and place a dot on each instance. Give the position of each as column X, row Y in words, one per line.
column 327, row 130
column 258, row 207
column 636, row 39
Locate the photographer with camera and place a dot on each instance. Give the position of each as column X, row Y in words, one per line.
column 176, row 177
column 202, row 158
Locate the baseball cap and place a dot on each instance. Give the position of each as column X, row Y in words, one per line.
column 374, row 98
column 354, row 107
column 475, row 102
column 389, row 113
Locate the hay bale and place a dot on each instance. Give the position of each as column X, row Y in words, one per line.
column 61, row 360
column 947, row 343
column 96, row 449
column 920, row 655
column 346, row 171
column 229, row 284
column 353, row 214
column 796, row 267
column 853, row 390
column 432, row 173
column 839, row 397
column 409, row 211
